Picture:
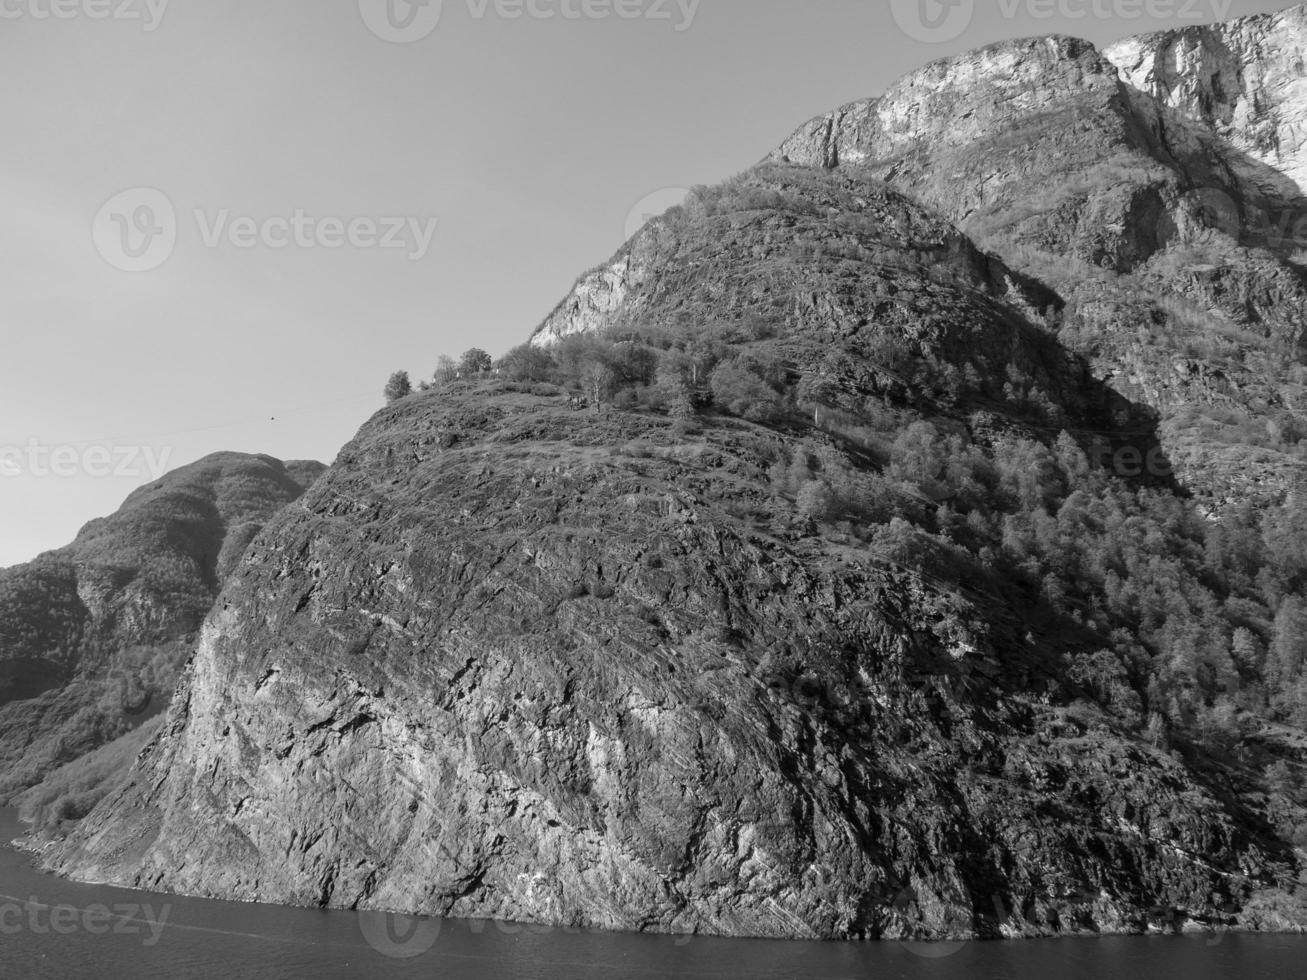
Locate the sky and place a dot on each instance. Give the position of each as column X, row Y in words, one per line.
column 226, row 222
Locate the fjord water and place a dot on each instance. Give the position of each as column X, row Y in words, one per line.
column 52, row 929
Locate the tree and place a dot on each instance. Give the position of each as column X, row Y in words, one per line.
column 1072, row 459
column 1289, row 649
column 814, row 500
column 598, row 379
column 398, row 387
column 446, row 369
column 919, row 457
column 704, row 355
column 475, row 361
column 741, row 392
column 675, row 372
column 818, row 389
column 528, row 363
column 1029, row 473
column 634, row 363
column 1247, row 650
column 680, row 405
column 672, row 383
column 575, row 354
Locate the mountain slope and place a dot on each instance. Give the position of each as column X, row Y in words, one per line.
column 91, row 635
column 873, row 649
column 1166, row 245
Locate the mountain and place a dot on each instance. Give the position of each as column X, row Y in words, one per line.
column 899, row 539
column 1177, row 251
column 92, row 635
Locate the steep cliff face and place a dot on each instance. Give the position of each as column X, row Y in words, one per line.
column 952, row 102
column 91, row 635
column 598, row 296
column 1244, row 78
column 510, row 661
column 894, row 656
column 608, row 669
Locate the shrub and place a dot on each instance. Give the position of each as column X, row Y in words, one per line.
column 528, row 363
column 740, row 391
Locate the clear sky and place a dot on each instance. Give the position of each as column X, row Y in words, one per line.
column 281, row 137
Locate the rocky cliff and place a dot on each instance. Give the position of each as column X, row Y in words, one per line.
column 604, row 669
column 1244, row 79
column 505, row 662
column 843, row 611
column 1174, row 247
column 92, row 635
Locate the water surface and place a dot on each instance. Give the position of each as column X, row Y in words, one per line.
column 50, row 928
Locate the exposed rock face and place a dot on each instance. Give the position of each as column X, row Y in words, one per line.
column 81, row 624
column 952, row 102
column 509, row 662
column 1244, row 78
column 593, row 301
column 513, row 661
column 1138, row 200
